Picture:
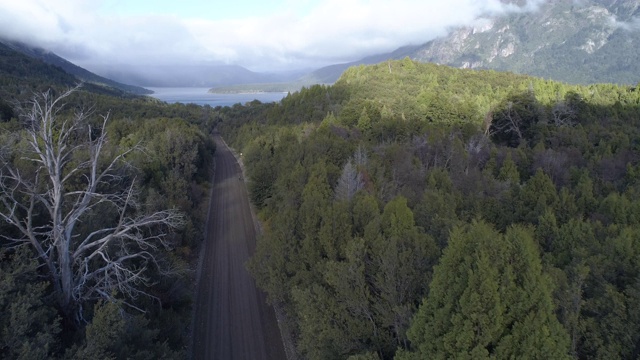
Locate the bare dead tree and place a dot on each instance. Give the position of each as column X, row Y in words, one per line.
column 563, row 114
column 486, row 124
column 476, row 144
column 360, row 156
column 512, row 122
column 350, row 182
column 62, row 178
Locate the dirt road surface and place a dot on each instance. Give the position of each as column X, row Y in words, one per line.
column 232, row 319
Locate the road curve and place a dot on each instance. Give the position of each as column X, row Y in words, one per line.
column 232, row 320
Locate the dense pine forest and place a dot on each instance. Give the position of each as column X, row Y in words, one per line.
column 102, row 205
column 416, row 211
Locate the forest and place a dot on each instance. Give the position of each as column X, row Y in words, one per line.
column 409, row 211
column 416, row 211
column 103, row 198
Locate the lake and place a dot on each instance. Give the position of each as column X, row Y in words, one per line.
column 201, row 96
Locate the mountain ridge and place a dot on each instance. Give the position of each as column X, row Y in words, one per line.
column 590, row 41
column 584, row 42
column 578, row 42
column 82, row 74
column 207, row 75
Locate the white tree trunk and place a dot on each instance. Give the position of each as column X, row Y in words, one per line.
column 72, row 178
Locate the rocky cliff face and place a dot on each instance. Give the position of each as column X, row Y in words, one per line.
column 578, row 41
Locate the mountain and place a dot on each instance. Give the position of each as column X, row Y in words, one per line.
column 208, row 75
column 80, row 73
column 420, row 158
column 573, row 41
column 21, row 75
column 19, row 69
column 330, row 74
column 585, row 41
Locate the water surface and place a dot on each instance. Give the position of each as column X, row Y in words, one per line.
column 201, row 96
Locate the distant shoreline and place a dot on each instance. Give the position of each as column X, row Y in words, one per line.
column 258, row 88
column 244, row 92
column 204, row 96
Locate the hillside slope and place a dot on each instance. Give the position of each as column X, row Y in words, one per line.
column 577, row 42
column 589, row 41
column 211, row 75
column 80, row 73
column 523, row 191
column 21, row 74
column 330, row 74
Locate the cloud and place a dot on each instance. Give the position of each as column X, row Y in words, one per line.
column 632, row 25
column 312, row 33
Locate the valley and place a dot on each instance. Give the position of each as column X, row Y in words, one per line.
column 474, row 193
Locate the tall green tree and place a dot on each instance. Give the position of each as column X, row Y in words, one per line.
column 401, row 260
column 489, row 298
column 29, row 326
column 364, row 300
column 336, row 318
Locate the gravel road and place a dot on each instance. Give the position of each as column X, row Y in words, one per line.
column 232, row 319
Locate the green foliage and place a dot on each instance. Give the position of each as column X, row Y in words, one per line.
column 437, row 210
column 402, row 258
column 29, row 325
column 549, row 269
column 176, row 160
column 114, row 334
column 6, row 111
column 514, row 120
column 21, row 74
column 172, row 172
column 509, row 171
column 365, row 299
column 365, row 208
column 489, row 298
column 105, row 334
column 367, row 356
column 537, row 194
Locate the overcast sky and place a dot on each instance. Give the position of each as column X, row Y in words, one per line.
column 258, row 34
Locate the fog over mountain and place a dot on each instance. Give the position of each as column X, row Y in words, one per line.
column 137, row 41
column 314, row 42
column 584, row 41
column 196, row 75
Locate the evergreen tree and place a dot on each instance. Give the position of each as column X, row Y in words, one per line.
column 401, row 260
column 28, row 325
column 488, row 298
column 365, row 208
column 537, row 194
column 336, row 318
column 509, row 171
column 315, row 204
column 364, row 121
